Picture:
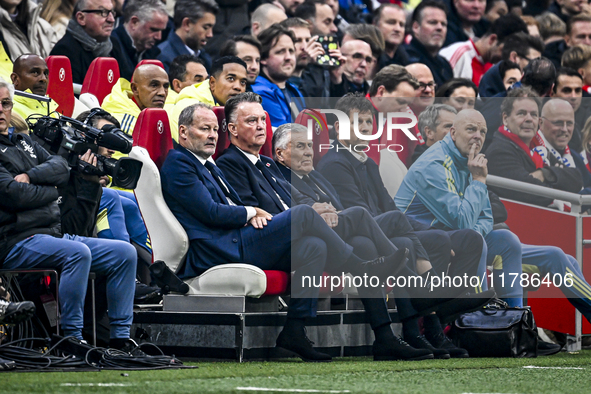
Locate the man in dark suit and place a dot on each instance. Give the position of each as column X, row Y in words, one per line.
column 143, row 24
column 193, row 22
column 223, row 230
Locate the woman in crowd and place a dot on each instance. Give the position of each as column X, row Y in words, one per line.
column 460, row 93
column 58, row 13
column 23, row 29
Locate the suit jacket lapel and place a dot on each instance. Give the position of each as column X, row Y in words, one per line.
column 206, row 174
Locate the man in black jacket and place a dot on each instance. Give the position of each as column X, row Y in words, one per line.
column 33, row 236
column 88, row 36
column 429, row 26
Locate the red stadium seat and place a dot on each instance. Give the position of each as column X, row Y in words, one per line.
column 152, row 132
column 320, row 133
column 60, row 85
column 102, row 74
column 151, row 61
column 224, row 140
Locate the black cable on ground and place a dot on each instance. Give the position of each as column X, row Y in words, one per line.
column 54, row 358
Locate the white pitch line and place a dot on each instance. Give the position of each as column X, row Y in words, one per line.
column 290, row 390
column 97, row 384
column 536, row 367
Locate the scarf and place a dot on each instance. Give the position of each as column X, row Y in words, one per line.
column 98, row 49
column 542, row 147
column 532, row 154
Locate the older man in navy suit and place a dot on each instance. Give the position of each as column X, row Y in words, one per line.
column 223, row 230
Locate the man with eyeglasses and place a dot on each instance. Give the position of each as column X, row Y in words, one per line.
column 429, row 27
column 357, row 67
column 557, row 127
column 143, row 24
column 425, row 94
column 88, row 36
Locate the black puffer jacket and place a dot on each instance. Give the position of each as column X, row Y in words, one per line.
column 28, row 208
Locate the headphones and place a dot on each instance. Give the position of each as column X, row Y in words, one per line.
column 94, row 112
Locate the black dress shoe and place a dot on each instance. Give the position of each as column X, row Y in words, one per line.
column 297, row 344
column 450, row 303
column 399, row 350
column 166, row 279
column 386, row 266
column 441, row 341
column 16, row 312
column 548, row 348
column 421, row 342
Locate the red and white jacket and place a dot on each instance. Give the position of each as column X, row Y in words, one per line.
column 466, row 61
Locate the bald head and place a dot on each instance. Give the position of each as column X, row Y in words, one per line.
column 555, row 106
column 149, row 86
column 469, row 129
column 264, row 16
column 419, row 69
column 30, row 72
column 557, row 123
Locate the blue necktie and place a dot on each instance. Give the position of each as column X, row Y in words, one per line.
column 225, row 186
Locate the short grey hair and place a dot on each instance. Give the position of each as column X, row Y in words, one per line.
column 188, row 114
column 143, row 9
column 9, row 86
column 282, row 135
column 429, row 117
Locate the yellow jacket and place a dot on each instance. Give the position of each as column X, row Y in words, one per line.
column 197, row 93
column 119, row 104
column 5, row 64
column 25, row 106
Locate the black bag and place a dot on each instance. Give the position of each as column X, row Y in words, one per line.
column 497, row 331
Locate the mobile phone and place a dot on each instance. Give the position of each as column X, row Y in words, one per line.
column 328, row 42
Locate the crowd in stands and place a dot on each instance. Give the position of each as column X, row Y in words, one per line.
column 496, row 87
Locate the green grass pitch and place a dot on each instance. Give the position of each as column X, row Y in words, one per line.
column 561, row 373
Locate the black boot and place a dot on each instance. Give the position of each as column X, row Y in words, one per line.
column 293, row 342
column 440, row 341
column 397, row 349
column 421, row 342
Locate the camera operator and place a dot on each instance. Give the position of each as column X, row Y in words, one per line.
column 34, row 238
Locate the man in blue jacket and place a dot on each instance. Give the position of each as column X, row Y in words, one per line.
column 446, row 188
column 278, row 63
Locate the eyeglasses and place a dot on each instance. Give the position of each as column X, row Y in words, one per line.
column 359, row 56
column 7, row 105
column 104, row 13
column 430, row 85
column 561, row 123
